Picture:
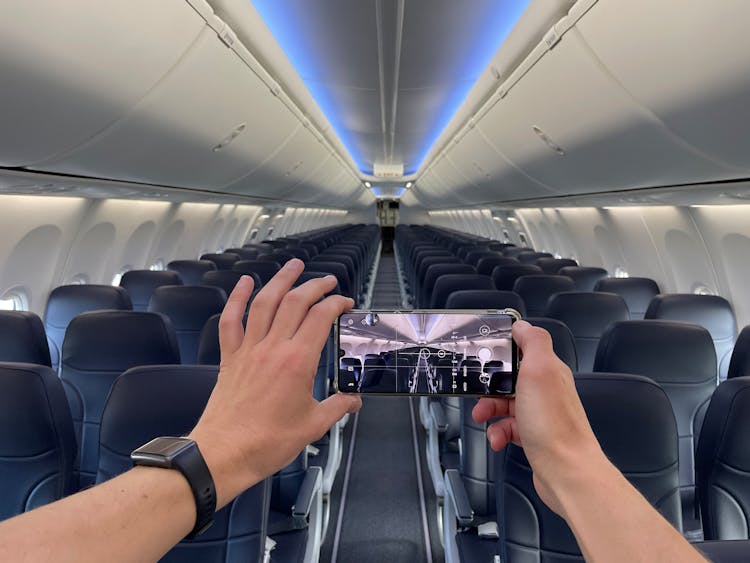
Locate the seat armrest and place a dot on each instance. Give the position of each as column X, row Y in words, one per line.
column 455, row 493
column 311, row 487
column 437, row 413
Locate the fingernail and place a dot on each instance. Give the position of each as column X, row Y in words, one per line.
column 294, row 264
column 522, row 323
column 331, row 277
column 245, row 279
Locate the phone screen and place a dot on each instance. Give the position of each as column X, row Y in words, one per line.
column 427, row 353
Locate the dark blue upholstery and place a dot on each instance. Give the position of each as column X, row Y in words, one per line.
column 227, row 280
column 553, row 265
column 140, row 285
column 337, row 269
column 563, row 342
column 641, row 443
column 188, row 307
column 67, row 301
column 722, row 463
column 431, row 276
column 727, row 551
column 350, row 372
column 587, row 315
column 244, row 253
column 486, row 266
column 681, row 358
column 531, row 257
column 505, row 276
column 515, row 251
column 536, row 290
column 37, row 443
column 449, row 283
column 191, row 271
column 22, row 338
column 147, row 402
column 263, row 269
column 637, row 292
column 475, row 256
column 712, row 312
column 485, row 299
column 584, row 277
column 739, row 365
column 99, row 347
column 298, row 252
column 222, row 261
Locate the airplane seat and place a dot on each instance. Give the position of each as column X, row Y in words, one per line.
column 243, row 253
column 337, row 269
column 532, row 257
column 739, row 364
column 311, row 248
column 465, row 249
column 722, row 463
column 265, row 270
column 554, row 265
column 485, row 299
column 536, row 290
column 500, row 246
column 382, row 380
column 298, row 252
column 269, row 258
column 98, row 347
column 500, row 378
column 515, row 251
column 37, row 444
column 22, row 338
column 415, row 272
column 563, row 342
column 348, row 259
column 584, row 277
column 587, row 315
column 151, row 401
column 712, row 312
column 485, row 266
column 505, row 276
column 259, row 248
column 222, row 260
column 209, row 353
column 350, row 373
column 282, row 256
column 641, row 443
column 431, row 275
column 637, row 292
column 681, row 358
column 308, row 275
column 449, row 283
column 140, row 285
column 475, row 256
column 228, row 279
column 188, row 307
column 68, row 301
column 191, row 271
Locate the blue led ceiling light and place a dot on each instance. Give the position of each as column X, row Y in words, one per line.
column 388, row 192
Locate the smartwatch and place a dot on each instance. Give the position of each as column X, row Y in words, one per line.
column 183, row 455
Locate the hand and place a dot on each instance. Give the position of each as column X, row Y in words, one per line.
column 262, row 413
column 546, row 416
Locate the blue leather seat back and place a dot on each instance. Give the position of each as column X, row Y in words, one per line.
column 244, row 253
column 681, row 358
column 476, row 462
column 563, row 342
column 337, row 269
column 739, row 365
column 475, row 256
column 433, row 273
column 641, row 443
column 140, row 285
column 486, row 266
column 99, row 347
column 531, row 257
column 587, row 315
column 147, row 402
column 485, row 299
column 553, row 265
column 712, row 312
column 22, row 338
column 722, row 463
column 505, row 276
column 449, row 283
column 515, row 251
column 188, row 307
column 536, row 290
column 68, row 301
column 191, row 271
column 637, row 292
column 37, row 443
column 209, row 353
column 265, row 270
column 584, row 277
column 298, row 252
column 227, row 280
column 350, row 372
column 222, row 261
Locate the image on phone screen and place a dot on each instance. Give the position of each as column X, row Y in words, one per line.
column 426, row 353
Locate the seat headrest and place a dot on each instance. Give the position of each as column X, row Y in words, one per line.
column 308, row 275
column 535, row 290
column 584, row 277
column 244, row 253
column 67, row 301
column 471, row 364
column 637, row 292
column 372, row 361
column 228, row 279
column 587, row 314
column 448, row 283
column 563, row 342
column 22, row 338
column 140, row 284
column 354, row 362
column 264, row 269
column 712, row 312
column 282, row 256
column 739, row 365
column 223, row 261
column 666, row 351
column 191, row 271
column 485, row 266
column 485, row 299
column 532, row 257
column 188, row 307
column 118, row 340
column 553, row 265
column 505, row 276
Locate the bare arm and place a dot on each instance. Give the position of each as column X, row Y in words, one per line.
column 260, row 415
column 609, row 517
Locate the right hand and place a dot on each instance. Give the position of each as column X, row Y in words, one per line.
column 546, row 416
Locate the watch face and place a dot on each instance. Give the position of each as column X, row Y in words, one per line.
column 167, row 447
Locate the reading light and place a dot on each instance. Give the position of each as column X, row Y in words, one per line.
column 409, row 185
column 368, row 185
column 264, row 216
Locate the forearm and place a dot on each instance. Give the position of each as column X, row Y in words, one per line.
column 612, row 521
column 137, row 516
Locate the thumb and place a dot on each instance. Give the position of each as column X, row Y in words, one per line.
column 333, row 409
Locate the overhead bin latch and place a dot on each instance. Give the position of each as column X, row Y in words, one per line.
column 552, row 38
column 226, row 35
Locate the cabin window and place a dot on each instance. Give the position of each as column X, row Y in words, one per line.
column 118, row 276
column 13, row 301
column 157, row 266
column 253, row 235
column 621, row 272
column 702, row 289
column 506, row 235
column 269, row 233
column 79, row 279
column 522, row 238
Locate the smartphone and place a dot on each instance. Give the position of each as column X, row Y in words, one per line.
column 454, row 352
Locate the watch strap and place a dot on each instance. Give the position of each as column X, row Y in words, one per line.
column 192, row 465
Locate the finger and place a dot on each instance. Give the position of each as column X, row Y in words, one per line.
column 314, row 330
column 502, row 433
column 296, row 304
column 266, row 303
column 487, row 408
column 532, row 339
column 330, row 411
column 231, row 331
